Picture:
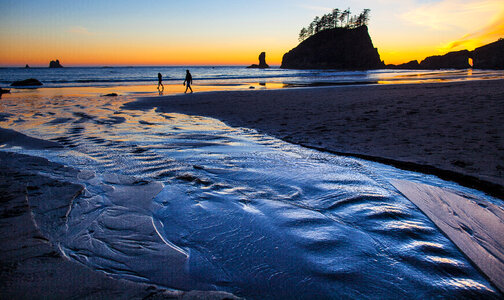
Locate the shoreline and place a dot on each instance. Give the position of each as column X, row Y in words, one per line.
column 473, row 182
column 294, row 116
column 451, row 130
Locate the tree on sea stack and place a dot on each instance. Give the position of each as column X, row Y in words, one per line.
column 334, row 19
column 336, row 40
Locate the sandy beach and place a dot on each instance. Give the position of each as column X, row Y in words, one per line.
column 140, row 182
column 454, row 130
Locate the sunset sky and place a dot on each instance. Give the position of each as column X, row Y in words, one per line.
column 223, row 32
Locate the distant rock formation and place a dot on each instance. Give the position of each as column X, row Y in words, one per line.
column 27, row 82
column 412, row 65
column 262, row 62
column 27, row 66
column 451, row 60
column 55, row 64
column 338, row 48
column 490, row 56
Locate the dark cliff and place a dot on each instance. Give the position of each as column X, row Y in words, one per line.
column 490, row 56
column 337, row 48
column 451, row 60
column 412, row 65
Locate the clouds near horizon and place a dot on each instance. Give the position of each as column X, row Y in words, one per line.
column 480, row 21
column 79, row 30
column 453, row 14
column 491, row 32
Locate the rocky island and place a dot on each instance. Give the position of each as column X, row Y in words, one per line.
column 55, row 64
column 262, row 62
column 27, row 82
column 335, row 41
column 451, row 60
column 490, row 56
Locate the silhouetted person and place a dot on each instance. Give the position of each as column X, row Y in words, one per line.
column 188, row 81
column 160, row 82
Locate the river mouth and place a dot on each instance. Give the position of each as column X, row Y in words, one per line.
column 187, row 202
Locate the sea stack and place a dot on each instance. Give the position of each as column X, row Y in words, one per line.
column 55, row 64
column 337, row 48
column 262, row 62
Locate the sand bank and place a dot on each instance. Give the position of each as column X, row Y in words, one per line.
column 475, row 226
column 453, row 130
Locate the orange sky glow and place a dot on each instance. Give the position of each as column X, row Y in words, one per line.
column 413, row 30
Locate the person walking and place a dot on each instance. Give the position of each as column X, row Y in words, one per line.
column 160, row 82
column 188, row 81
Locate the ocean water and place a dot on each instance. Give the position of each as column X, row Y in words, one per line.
column 186, row 202
column 235, row 75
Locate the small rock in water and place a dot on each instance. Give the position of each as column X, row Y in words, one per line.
column 110, row 95
column 251, row 87
column 27, row 82
column 2, row 91
column 55, row 64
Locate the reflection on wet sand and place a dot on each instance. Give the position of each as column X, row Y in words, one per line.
column 231, row 209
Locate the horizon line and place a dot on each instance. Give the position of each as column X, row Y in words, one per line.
column 38, row 66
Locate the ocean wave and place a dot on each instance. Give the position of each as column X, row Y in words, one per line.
column 111, row 76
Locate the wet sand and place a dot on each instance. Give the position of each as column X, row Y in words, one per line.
column 32, row 202
column 453, row 130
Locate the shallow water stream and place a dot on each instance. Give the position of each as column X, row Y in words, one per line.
column 187, row 202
